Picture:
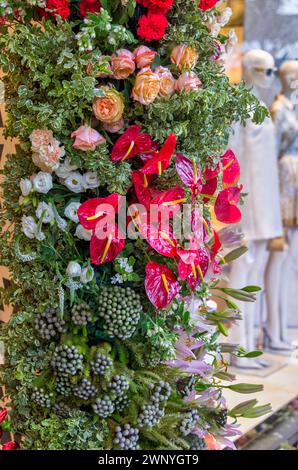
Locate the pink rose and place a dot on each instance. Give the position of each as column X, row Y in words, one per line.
column 123, row 64
column 47, row 150
column 188, row 81
column 114, row 127
column 144, row 56
column 87, row 138
column 167, row 81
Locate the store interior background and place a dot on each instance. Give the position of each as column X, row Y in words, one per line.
column 271, row 25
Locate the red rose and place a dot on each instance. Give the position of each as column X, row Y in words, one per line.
column 152, row 27
column 3, row 414
column 207, row 4
column 157, row 6
column 56, row 8
column 89, row 6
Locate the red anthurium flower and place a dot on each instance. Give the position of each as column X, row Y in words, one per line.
column 230, row 168
column 216, row 245
column 209, row 188
column 146, row 156
column 225, row 207
column 193, row 265
column 189, row 173
column 130, row 144
column 11, row 445
column 105, row 250
column 161, row 284
column 161, row 161
column 161, row 239
column 3, row 414
column 141, row 186
column 171, row 199
column 92, row 211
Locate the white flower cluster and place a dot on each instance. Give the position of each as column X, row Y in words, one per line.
column 42, row 183
column 75, row 270
column 74, row 180
column 216, row 22
column 46, row 213
column 126, row 267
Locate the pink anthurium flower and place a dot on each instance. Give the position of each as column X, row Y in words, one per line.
column 161, row 239
column 225, row 206
column 161, row 284
column 131, row 144
column 93, row 210
column 193, row 265
column 189, row 173
column 161, row 161
column 171, row 199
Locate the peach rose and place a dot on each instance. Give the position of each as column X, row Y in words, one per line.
column 87, row 138
column 146, row 87
column 188, row 81
column 144, row 56
column 114, row 127
column 110, row 107
column 184, row 57
column 167, row 81
column 122, row 64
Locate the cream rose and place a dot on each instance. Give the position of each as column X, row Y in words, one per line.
column 144, row 56
column 122, row 64
column 184, row 57
column 188, row 81
column 167, row 81
column 110, row 107
column 146, row 87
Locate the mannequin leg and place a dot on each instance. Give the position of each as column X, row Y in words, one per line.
column 276, row 294
column 242, row 270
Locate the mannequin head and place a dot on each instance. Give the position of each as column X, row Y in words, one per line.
column 258, row 69
column 288, row 74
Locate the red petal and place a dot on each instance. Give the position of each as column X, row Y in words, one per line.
column 162, row 160
column 225, row 207
column 209, row 189
column 161, row 285
column 189, row 173
column 231, row 168
column 141, row 184
column 90, row 212
column 172, row 199
column 106, row 250
column 216, row 244
column 130, row 144
column 160, row 239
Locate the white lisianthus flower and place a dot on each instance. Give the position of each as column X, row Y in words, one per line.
column 42, row 182
column 71, row 211
column 74, row 182
column 65, row 169
column 215, row 30
column 25, row 186
column 83, row 233
column 47, row 212
column 73, row 269
column 29, row 226
column 87, row 275
column 232, row 41
column 90, row 180
column 225, row 17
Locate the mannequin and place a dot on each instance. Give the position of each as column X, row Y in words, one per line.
column 280, row 266
column 255, row 146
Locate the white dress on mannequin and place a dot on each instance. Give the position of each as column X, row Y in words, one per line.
column 281, row 265
column 255, row 147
